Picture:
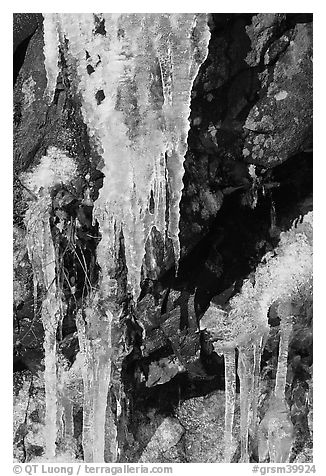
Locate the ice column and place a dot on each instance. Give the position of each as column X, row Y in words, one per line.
column 285, row 313
column 258, row 349
column 42, row 256
column 54, row 168
column 94, row 334
column 276, row 428
column 181, row 45
column 246, row 376
column 229, row 362
column 280, row 431
column 66, row 400
column 51, row 53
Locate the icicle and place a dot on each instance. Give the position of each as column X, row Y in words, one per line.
column 245, row 372
column 112, row 449
column 285, row 313
column 94, row 335
column 229, row 362
column 273, row 217
column 276, row 429
column 65, row 405
column 68, row 418
column 50, row 319
column 276, row 433
column 258, row 349
column 55, row 167
column 42, row 256
column 51, row 53
column 180, row 60
column 280, row 434
column 34, row 295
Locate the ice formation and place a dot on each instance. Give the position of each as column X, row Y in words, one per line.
column 258, row 349
column 94, row 335
column 135, row 80
column 54, row 168
column 276, row 428
column 229, row 360
column 284, row 312
column 51, row 54
column 42, row 257
column 134, row 74
column 283, row 275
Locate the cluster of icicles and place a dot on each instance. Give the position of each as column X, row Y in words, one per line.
column 135, row 79
column 134, row 75
column 283, row 278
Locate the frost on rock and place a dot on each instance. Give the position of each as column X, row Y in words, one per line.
column 55, row 168
column 283, row 276
column 135, row 82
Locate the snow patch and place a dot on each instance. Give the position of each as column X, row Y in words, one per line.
column 54, row 168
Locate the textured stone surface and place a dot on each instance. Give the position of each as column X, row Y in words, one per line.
column 166, row 436
column 203, row 420
column 280, row 123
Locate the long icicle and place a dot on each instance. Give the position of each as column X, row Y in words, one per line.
column 280, row 427
column 65, row 407
column 229, row 362
column 245, row 372
column 50, row 324
column 100, row 399
column 42, row 257
column 87, row 374
column 95, row 342
column 285, row 331
column 258, row 348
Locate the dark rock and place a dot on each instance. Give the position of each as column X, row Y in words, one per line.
column 24, row 25
column 280, row 123
column 203, row 420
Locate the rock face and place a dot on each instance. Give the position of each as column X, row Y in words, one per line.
column 278, row 125
column 166, row 436
column 247, row 178
column 203, row 420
